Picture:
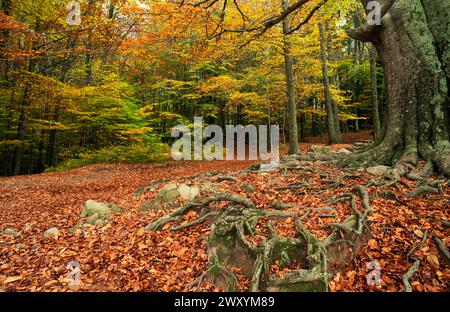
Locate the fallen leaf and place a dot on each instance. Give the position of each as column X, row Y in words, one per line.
column 12, row 279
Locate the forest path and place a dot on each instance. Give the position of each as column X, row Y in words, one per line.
column 38, row 198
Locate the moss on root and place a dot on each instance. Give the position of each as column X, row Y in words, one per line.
column 228, row 246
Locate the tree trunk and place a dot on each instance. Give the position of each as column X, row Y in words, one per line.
column 334, row 139
column 333, row 81
column 414, row 45
column 21, row 129
column 291, row 102
column 375, row 102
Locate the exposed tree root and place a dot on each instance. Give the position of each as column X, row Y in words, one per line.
column 402, row 159
column 292, row 186
column 229, row 245
column 226, row 178
column 415, row 267
column 197, row 205
column 216, row 274
column 440, row 244
column 196, row 222
column 424, row 189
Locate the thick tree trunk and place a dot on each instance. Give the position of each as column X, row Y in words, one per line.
column 374, row 88
column 334, row 138
column 413, row 43
column 291, row 102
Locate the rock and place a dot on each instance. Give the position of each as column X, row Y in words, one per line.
column 92, row 219
column 187, row 192
column 320, row 149
column 272, row 166
column 249, row 188
column 101, row 222
column 344, row 151
column 378, row 170
column 168, row 187
column 27, row 227
column 20, row 246
column 52, row 232
column 92, row 207
column 169, row 192
column 11, row 232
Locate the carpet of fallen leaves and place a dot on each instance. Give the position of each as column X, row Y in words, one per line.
column 122, row 256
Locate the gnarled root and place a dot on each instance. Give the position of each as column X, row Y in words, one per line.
column 415, row 267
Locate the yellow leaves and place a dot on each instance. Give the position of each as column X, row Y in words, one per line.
column 220, row 85
column 386, row 250
column 142, row 246
column 12, row 279
column 373, row 244
column 418, row 233
column 433, row 260
column 313, row 111
column 141, row 232
column 180, row 252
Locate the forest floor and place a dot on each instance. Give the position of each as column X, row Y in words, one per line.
column 122, row 256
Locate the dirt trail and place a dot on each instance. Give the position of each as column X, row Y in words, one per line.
column 36, row 198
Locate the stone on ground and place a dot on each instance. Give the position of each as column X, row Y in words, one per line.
column 172, row 191
column 320, row 149
column 52, row 232
column 92, row 207
column 187, row 192
column 11, row 232
column 169, row 193
column 378, row 170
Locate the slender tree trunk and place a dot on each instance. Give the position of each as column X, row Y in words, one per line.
column 334, row 139
column 291, row 102
column 5, row 6
column 337, row 127
column 374, row 88
column 413, row 43
column 21, row 129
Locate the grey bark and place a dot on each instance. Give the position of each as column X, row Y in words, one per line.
column 291, row 102
column 333, row 81
column 414, row 46
column 374, row 89
column 334, row 139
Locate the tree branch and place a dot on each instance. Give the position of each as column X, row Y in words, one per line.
column 367, row 33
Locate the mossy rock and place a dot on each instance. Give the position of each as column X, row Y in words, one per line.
column 313, row 280
column 92, row 207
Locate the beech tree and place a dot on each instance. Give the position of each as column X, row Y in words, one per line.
column 413, row 42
